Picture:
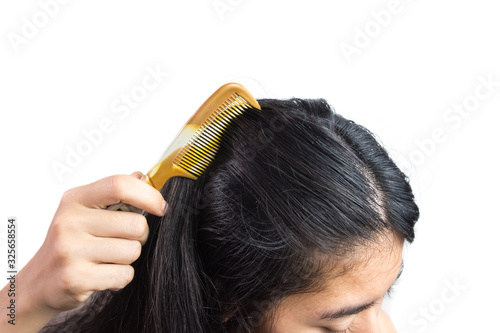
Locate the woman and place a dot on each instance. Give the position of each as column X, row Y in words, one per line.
column 297, row 226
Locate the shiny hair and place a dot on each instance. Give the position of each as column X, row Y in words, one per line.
column 292, row 186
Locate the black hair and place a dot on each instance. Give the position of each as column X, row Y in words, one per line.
column 290, row 184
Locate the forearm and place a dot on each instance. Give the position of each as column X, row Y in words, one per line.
column 21, row 312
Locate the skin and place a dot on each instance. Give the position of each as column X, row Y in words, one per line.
column 87, row 248
column 374, row 272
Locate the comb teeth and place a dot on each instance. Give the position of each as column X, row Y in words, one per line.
column 201, row 149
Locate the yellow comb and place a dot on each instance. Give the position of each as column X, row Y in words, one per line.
column 196, row 145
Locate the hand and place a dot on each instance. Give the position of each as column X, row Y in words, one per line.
column 87, row 248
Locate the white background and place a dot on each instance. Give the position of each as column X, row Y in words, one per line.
column 411, row 68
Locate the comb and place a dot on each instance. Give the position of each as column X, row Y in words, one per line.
column 196, row 145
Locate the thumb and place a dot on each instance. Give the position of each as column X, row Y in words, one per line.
column 137, row 174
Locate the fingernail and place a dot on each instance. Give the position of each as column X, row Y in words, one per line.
column 164, row 207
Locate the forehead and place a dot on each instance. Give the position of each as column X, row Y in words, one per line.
column 364, row 277
column 370, row 273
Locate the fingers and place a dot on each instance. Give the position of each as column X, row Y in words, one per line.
column 97, row 264
column 120, row 188
column 114, row 277
column 113, row 251
column 127, row 225
column 92, row 277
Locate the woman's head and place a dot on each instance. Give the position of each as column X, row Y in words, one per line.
column 301, row 214
column 298, row 194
